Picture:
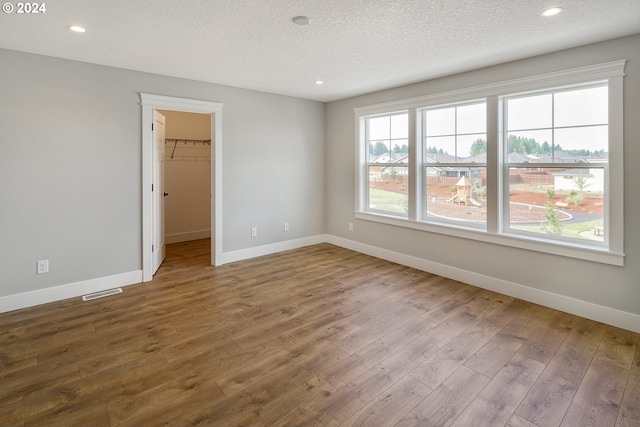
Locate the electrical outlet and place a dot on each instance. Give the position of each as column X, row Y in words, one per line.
column 43, row 266
column 254, row 231
column 286, row 226
column 350, row 226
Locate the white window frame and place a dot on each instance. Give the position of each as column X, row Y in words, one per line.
column 424, row 165
column 368, row 162
column 610, row 253
column 506, row 227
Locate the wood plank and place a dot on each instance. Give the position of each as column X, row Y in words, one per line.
column 265, row 363
column 348, row 399
column 448, row 359
column 598, row 399
column 151, row 396
column 304, row 419
column 495, row 404
column 618, row 347
column 230, row 411
column 18, row 384
column 170, row 405
column 517, row 421
column 10, row 333
column 544, row 343
column 355, row 365
column 548, row 400
column 519, row 325
column 524, row 325
column 11, row 360
column 442, row 406
column 289, row 404
column 387, row 324
column 389, row 407
column 551, row 395
column 454, row 302
column 629, row 415
column 492, row 356
column 95, row 416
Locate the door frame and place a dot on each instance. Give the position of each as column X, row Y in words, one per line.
column 152, row 102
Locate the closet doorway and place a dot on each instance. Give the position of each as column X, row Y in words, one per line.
column 184, row 112
column 187, row 176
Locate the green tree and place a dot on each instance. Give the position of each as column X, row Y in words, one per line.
column 553, row 225
column 518, row 144
column 581, row 182
column 478, row 147
column 403, row 149
column 394, row 174
column 432, row 150
column 545, row 147
column 380, row 148
column 531, row 146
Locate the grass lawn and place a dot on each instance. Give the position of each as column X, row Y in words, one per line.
column 388, row 201
column 568, row 230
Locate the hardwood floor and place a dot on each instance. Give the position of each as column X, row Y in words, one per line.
column 320, row 336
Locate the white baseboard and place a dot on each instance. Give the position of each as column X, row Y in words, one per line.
column 257, row 251
column 188, row 236
column 599, row 313
column 71, row 290
column 581, row 308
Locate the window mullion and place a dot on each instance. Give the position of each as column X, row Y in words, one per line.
column 362, row 164
column 415, row 157
column 494, row 165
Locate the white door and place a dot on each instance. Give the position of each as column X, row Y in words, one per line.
column 158, row 190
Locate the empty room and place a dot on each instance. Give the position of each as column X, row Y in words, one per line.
column 320, row 213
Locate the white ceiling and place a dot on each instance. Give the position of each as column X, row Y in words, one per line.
column 354, row 46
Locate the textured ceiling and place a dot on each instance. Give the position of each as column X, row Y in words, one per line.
column 354, row 46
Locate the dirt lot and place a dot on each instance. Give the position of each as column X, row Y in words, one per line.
column 528, row 203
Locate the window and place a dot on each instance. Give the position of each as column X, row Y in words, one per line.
column 387, row 157
column 455, row 145
column 534, row 163
column 556, row 148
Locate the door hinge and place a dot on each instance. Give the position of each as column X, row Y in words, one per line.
column 152, row 248
column 151, row 187
column 151, row 126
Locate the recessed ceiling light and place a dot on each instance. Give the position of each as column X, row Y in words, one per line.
column 552, row 11
column 319, row 82
column 300, row 20
column 77, row 29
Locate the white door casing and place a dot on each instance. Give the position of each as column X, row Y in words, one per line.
column 157, row 189
column 150, row 103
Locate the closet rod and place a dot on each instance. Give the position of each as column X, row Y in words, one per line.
column 186, row 141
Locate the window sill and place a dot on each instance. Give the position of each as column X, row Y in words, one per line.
column 587, row 253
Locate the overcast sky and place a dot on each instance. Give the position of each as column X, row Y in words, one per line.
column 579, row 116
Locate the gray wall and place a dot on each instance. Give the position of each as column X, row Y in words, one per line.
column 70, row 167
column 606, row 285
